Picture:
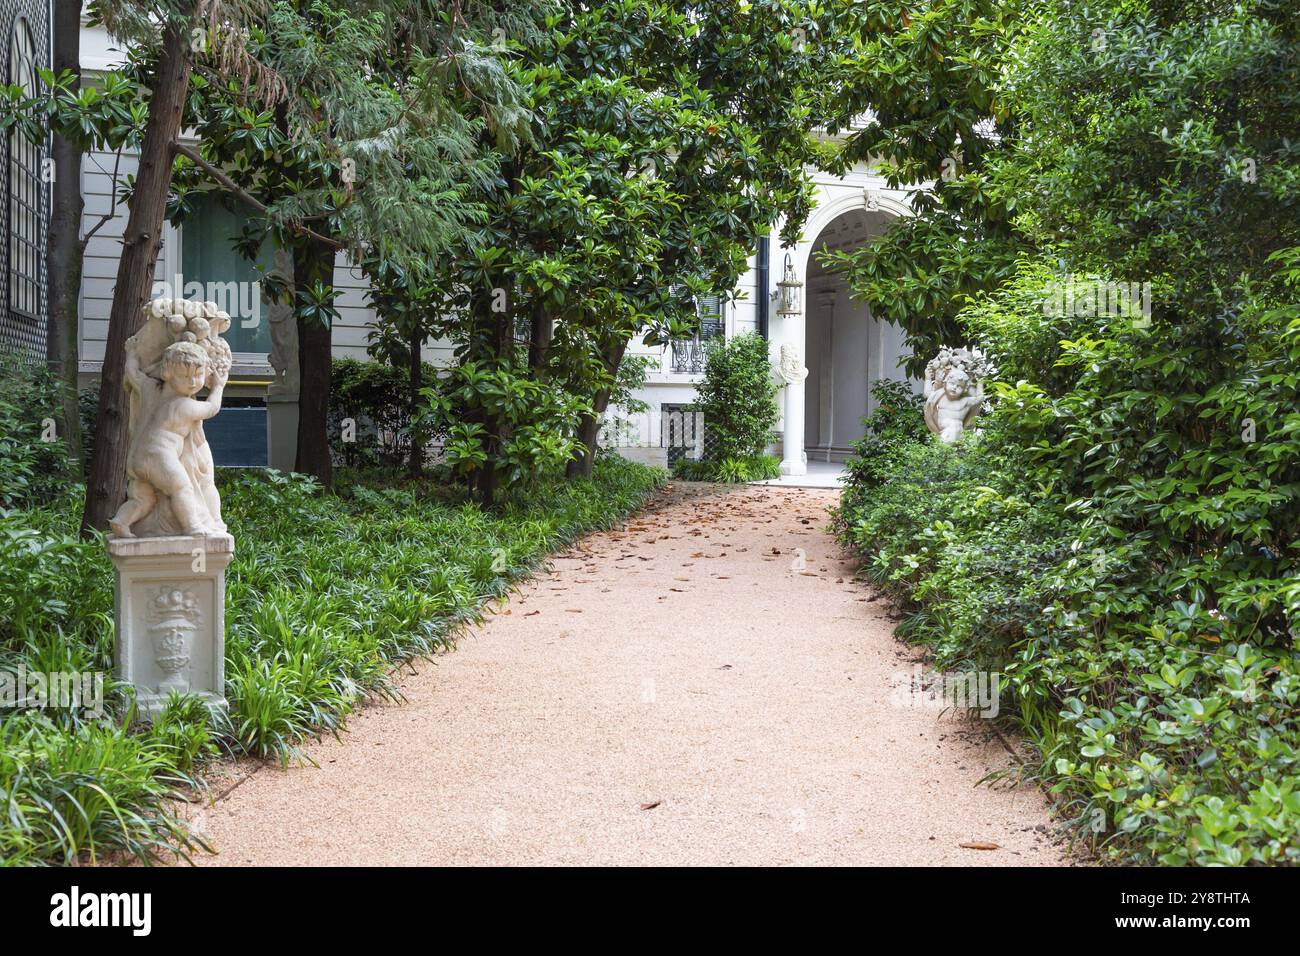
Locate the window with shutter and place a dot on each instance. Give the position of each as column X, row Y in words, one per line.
column 24, row 187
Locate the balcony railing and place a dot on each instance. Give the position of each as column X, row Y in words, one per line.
column 688, row 355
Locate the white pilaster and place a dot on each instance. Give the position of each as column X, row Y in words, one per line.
column 793, row 460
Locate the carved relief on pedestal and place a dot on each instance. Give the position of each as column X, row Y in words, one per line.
column 174, row 619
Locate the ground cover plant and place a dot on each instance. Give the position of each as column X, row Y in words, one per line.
column 326, row 594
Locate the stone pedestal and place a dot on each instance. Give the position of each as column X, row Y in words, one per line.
column 171, row 616
column 793, row 460
column 281, row 430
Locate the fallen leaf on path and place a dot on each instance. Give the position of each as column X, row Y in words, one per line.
column 651, row 805
column 531, row 613
column 979, row 845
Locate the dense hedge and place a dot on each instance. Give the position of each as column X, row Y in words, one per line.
column 1140, row 591
column 376, row 397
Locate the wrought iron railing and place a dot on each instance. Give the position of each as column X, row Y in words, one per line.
column 688, row 355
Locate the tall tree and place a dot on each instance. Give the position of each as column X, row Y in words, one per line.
column 917, row 96
column 63, row 253
column 372, row 155
column 667, row 137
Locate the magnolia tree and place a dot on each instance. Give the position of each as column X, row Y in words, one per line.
column 380, row 155
column 926, row 82
column 666, row 138
column 357, row 128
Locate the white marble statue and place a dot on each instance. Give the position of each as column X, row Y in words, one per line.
column 170, row 482
column 283, row 357
column 792, row 369
column 954, row 392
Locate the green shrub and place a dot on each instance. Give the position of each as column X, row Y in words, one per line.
column 376, row 397
column 738, row 399
column 1116, row 549
column 1123, row 541
column 89, row 790
column 32, row 469
column 897, row 421
column 730, row 470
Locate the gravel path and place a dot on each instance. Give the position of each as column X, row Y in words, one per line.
column 686, row 690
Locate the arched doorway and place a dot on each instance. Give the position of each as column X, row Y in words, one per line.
column 846, row 348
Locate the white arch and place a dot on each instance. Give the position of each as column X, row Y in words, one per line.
column 825, row 213
column 838, row 201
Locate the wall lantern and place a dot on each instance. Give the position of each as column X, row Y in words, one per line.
column 787, row 291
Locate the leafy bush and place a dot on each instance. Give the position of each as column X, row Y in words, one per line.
column 1123, row 542
column 1118, row 549
column 90, row 789
column 376, row 397
column 731, row 470
column 738, row 399
column 896, row 422
column 1170, row 729
column 32, row 469
column 535, row 421
column 325, row 595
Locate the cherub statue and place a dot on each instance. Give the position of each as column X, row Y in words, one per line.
column 953, row 392
column 170, row 480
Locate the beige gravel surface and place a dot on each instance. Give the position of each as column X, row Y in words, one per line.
column 706, row 685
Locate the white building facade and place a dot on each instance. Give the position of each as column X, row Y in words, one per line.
column 843, row 347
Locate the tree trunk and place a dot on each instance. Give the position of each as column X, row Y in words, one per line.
column 313, row 263
column 539, row 344
column 500, row 345
column 106, row 487
column 63, row 251
column 589, row 427
column 416, row 465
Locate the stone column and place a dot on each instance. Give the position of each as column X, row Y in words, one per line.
column 793, row 461
column 170, row 618
column 793, row 373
